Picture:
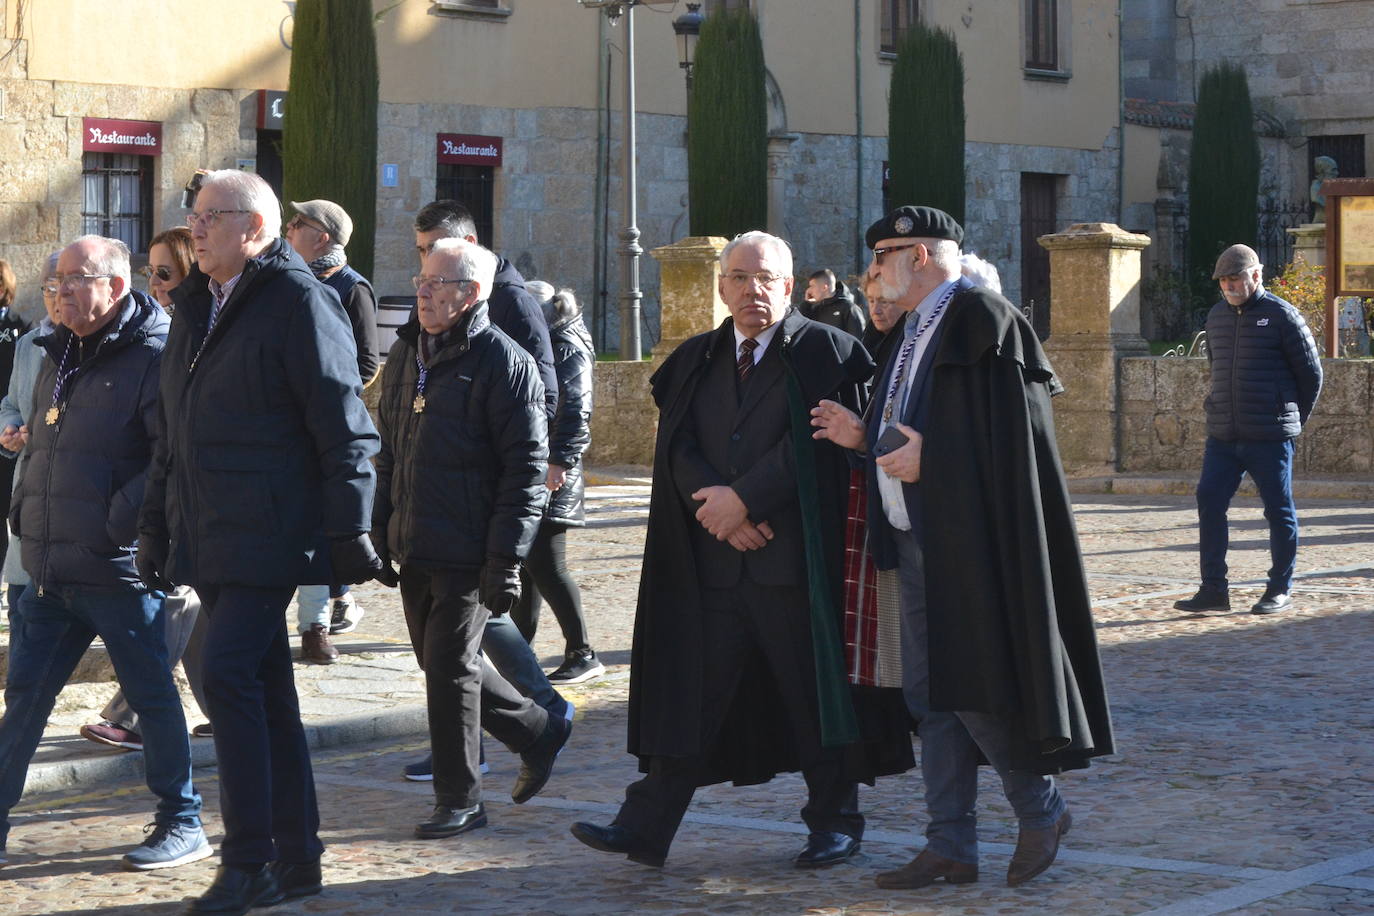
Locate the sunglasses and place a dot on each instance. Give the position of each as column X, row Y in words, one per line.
column 162, row 273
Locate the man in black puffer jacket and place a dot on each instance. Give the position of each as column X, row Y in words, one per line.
column 1266, row 375
column 261, row 481
column 459, row 497
column 75, row 512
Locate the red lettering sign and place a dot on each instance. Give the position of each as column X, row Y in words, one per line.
column 107, row 135
column 469, row 149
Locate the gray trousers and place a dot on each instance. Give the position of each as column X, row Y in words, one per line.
column 185, row 634
column 951, row 741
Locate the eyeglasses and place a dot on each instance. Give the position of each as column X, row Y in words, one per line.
column 209, row 217
column 419, row 281
column 49, row 286
column 879, row 252
column 741, row 280
column 163, row 273
column 298, row 223
column 71, row 281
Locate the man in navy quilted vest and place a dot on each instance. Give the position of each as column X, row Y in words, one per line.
column 1266, row 375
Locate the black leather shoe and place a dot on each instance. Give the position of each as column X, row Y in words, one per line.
column 298, row 879
column 446, row 821
column 237, row 890
column 1207, row 600
column 536, row 761
column 826, row 849
column 1272, row 603
column 616, row 838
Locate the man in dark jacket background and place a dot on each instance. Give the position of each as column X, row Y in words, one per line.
column 75, row 514
column 1266, row 376
column 829, row 301
column 460, row 494
column 967, row 501
column 261, row 481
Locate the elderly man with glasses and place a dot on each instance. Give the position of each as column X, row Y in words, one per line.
column 75, row 513
column 736, row 671
column 261, row 481
column 460, row 494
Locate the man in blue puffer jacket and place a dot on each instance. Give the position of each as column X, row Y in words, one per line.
column 93, row 425
column 1266, row 375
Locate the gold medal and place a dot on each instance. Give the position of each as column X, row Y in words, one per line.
column 419, row 403
column 51, row 416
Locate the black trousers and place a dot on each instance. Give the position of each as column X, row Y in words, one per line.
column 465, row 694
column 545, row 574
column 750, row 627
column 267, row 787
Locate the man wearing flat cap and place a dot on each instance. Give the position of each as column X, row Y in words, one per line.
column 967, row 501
column 1266, row 375
column 318, row 232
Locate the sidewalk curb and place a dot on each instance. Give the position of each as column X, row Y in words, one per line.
column 408, row 721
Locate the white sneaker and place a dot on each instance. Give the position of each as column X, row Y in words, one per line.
column 344, row 614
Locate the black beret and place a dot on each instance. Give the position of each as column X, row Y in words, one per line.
column 915, row 222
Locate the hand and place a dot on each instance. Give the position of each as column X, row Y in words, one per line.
column 722, row 511
column 837, row 423
column 498, row 586
column 750, row 536
column 558, row 475
column 904, row 463
column 11, row 440
column 387, row 575
column 353, row 560
column 151, row 560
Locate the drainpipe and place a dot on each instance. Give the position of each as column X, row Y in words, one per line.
column 599, row 204
column 858, row 138
column 1120, row 121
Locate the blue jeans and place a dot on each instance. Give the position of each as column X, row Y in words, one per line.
column 57, row 628
column 314, row 604
column 506, row 649
column 951, row 741
column 1270, row 466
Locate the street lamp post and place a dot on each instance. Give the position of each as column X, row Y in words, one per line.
column 630, row 250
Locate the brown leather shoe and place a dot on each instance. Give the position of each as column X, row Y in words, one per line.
column 1036, row 850
column 316, row 647
column 925, row 870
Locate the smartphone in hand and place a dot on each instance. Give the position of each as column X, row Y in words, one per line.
column 891, row 440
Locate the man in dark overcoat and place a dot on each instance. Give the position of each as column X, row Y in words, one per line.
column 261, row 481
column 968, row 502
column 736, row 670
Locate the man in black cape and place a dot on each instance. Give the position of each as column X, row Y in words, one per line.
column 967, row 500
column 737, row 670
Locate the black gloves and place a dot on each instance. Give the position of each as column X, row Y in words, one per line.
column 354, row 561
column 498, row 587
column 150, row 560
column 388, row 575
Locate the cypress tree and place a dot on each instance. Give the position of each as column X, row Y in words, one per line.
column 329, row 133
column 727, row 128
column 925, row 122
column 1223, row 174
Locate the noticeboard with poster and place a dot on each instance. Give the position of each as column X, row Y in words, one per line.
column 1355, row 255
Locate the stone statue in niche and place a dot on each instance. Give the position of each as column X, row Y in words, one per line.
column 1325, row 167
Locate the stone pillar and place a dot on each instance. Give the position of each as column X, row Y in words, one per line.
column 779, row 159
column 1309, row 242
column 688, row 294
column 1095, row 309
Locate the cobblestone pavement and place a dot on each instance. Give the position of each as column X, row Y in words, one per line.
column 1244, row 782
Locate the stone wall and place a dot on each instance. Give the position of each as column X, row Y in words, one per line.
column 1163, row 427
column 624, row 419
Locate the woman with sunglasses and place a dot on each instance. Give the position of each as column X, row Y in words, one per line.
column 170, row 257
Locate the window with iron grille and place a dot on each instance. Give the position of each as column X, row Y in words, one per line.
column 1042, row 35
column 1347, row 150
column 895, row 18
column 472, row 186
column 117, row 197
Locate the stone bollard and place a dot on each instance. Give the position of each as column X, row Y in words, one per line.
column 1094, row 321
column 689, row 300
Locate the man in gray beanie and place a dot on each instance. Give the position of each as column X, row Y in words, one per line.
column 1266, row 375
